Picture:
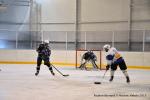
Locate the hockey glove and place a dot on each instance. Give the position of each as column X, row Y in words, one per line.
column 107, row 67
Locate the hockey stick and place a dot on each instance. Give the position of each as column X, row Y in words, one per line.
column 82, row 66
column 59, row 71
column 102, row 78
column 104, row 73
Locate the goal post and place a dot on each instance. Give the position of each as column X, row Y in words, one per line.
column 79, row 54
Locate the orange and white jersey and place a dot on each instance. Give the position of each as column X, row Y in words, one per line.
column 112, row 55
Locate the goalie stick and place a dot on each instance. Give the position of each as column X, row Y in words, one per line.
column 59, row 71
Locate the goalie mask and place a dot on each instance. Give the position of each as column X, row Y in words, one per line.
column 106, row 47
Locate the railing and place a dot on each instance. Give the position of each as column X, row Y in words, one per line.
column 138, row 40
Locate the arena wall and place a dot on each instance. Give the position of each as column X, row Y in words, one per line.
column 136, row 60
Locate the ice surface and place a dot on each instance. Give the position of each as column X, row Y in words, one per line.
column 18, row 82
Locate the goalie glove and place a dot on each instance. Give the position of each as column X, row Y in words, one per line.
column 107, row 67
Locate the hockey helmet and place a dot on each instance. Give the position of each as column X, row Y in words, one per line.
column 46, row 41
column 106, row 47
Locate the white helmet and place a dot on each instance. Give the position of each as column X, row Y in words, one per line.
column 46, row 41
column 106, row 46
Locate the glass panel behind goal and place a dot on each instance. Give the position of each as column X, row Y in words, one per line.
column 79, row 54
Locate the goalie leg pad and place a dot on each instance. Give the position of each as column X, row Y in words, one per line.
column 94, row 64
column 83, row 65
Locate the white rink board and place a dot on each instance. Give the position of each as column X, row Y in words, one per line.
column 137, row 59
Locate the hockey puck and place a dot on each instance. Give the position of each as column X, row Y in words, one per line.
column 97, row 82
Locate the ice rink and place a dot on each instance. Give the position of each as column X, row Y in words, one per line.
column 18, row 82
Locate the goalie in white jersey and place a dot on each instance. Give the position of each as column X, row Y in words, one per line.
column 114, row 59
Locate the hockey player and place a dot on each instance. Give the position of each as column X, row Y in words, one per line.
column 44, row 53
column 114, row 59
column 88, row 56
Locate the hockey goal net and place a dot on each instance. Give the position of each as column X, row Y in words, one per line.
column 98, row 53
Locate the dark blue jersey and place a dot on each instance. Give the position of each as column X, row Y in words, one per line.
column 86, row 56
column 43, row 50
column 89, row 56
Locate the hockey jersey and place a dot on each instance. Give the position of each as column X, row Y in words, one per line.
column 89, row 56
column 43, row 50
column 112, row 55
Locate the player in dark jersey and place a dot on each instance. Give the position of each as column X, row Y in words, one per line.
column 44, row 53
column 89, row 56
